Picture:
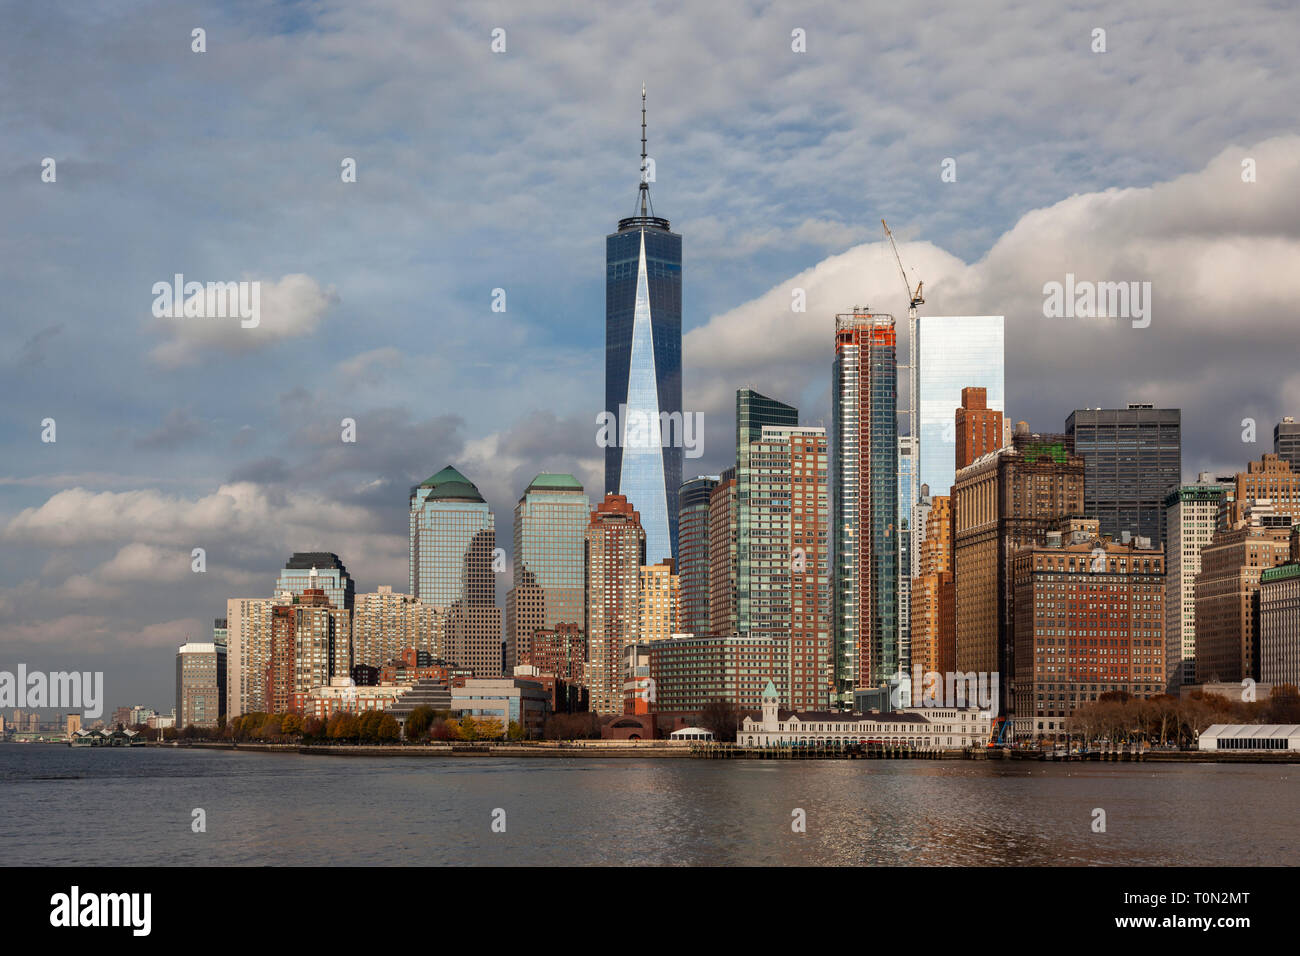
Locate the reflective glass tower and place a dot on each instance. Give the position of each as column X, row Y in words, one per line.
column 953, row 352
column 643, row 366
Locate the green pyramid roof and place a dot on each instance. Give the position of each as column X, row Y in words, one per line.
column 554, row 482
column 450, row 483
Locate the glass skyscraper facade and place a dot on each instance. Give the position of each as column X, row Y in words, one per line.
column 643, row 374
column 550, row 531
column 452, row 540
column 953, row 352
column 864, row 399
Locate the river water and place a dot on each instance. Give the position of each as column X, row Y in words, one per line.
column 135, row 806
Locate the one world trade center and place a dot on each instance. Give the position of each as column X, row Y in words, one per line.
column 643, row 365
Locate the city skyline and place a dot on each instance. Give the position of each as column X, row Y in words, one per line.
column 152, row 478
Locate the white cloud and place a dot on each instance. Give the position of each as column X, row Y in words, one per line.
column 290, row 308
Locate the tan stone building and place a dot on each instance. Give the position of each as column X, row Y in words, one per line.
column 660, row 601
column 933, row 613
column 385, row 623
column 1226, row 591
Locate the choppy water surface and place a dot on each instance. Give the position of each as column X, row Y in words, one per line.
column 120, row 806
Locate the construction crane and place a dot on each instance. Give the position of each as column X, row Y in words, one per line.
column 914, row 299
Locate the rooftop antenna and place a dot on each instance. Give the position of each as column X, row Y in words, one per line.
column 645, row 185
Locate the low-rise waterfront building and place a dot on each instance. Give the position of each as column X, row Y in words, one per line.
column 912, row 728
column 1251, row 738
column 523, row 702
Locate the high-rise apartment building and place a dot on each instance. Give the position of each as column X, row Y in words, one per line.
column 200, row 684
column 864, row 395
column 724, row 518
column 978, row 427
column 643, row 366
column 453, row 544
column 660, row 603
column 310, row 646
column 560, row 651
column 1286, row 442
column 754, row 412
column 385, row 623
column 693, row 551
column 784, row 582
column 220, row 632
column 1007, row 500
column 550, row 524
column 1089, row 620
column 248, row 646
column 317, row 570
column 1134, row 458
column 1191, row 518
column 953, row 353
column 691, row 672
column 615, row 554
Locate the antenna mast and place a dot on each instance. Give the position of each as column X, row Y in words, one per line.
column 645, row 186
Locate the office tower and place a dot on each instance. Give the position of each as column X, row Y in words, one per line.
column 1003, row 502
column 1227, row 589
column 310, row 646
column 615, row 554
column 693, row 552
column 784, row 581
column 1089, row 621
column 453, row 544
column 953, row 353
column 386, row 623
column 1272, row 480
column 248, row 651
column 318, row 570
column 200, row 684
column 220, row 632
column 1134, row 457
column 978, row 427
column 864, row 400
column 550, row 522
column 1286, row 442
column 933, row 614
column 1191, row 517
column 643, row 366
column 660, row 603
column 724, row 519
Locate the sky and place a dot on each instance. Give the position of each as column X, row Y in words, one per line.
column 782, row 134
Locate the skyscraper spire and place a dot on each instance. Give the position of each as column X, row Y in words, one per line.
column 645, row 184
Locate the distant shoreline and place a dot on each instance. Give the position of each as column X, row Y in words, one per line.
column 658, row 750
